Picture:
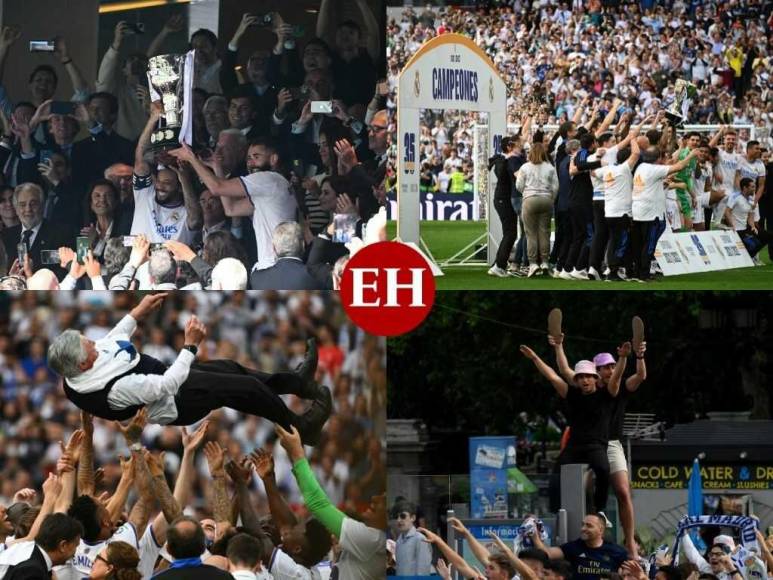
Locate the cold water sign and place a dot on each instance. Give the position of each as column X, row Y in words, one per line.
column 455, row 84
column 720, row 477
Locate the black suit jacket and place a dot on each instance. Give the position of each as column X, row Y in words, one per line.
column 33, row 569
column 204, row 572
column 50, row 237
column 286, row 274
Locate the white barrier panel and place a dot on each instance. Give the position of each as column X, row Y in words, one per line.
column 691, row 252
column 447, row 72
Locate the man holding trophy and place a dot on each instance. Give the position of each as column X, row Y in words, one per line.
column 166, row 205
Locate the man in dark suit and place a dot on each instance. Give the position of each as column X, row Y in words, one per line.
column 54, row 545
column 289, row 272
column 185, row 543
column 34, row 232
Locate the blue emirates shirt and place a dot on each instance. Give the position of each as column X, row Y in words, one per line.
column 590, row 563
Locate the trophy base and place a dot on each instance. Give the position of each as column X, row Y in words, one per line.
column 165, row 139
column 674, row 120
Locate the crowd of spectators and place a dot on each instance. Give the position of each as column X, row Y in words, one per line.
column 603, row 69
column 259, row 330
column 271, row 187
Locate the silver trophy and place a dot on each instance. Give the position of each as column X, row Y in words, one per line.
column 684, row 91
column 166, row 74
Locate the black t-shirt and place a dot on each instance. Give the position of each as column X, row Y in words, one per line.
column 589, row 416
column 618, row 411
column 590, row 563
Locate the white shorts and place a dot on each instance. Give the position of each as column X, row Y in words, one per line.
column 698, row 215
column 616, row 457
column 673, row 215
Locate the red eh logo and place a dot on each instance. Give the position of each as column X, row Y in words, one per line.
column 387, row 288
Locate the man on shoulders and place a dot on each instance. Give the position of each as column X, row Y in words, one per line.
column 591, row 556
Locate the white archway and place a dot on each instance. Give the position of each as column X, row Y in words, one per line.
column 447, row 72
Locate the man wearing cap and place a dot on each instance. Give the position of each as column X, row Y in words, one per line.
column 618, row 466
column 588, row 410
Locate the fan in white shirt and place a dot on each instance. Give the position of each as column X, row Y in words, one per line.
column 264, row 194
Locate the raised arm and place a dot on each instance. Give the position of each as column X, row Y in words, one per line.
column 263, row 462
column 561, row 387
column 557, row 342
column 160, row 489
column 185, row 477
column 325, row 22
column 52, row 487
column 676, row 167
column 141, row 167
column 449, row 553
column 117, row 501
column 174, row 24
column 86, row 462
column 633, row 382
column 614, row 381
column 109, row 68
column 609, row 118
column 578, row 112
column 192, row 206
column 635, row 153
column 372, row 33
column 553, row 552
column 217, row 185
column 140, row 512
column 77, row 79
column 314, row 496
column 240, row 473
column 8, row 36
column 478, row 549
column 221, row 508
column 521, row 568
column 66, row 468
column 715, row 139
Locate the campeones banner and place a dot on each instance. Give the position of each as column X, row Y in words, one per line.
column 664, row 476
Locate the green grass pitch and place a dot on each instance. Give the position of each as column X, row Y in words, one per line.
column 445, row 238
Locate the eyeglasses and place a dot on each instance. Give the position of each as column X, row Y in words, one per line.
column 376, row 128
column 717, row 554
column 103, row 559
column 403, row 516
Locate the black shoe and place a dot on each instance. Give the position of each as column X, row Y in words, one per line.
column 614, row 277
column 311, row 422
column 307, row 369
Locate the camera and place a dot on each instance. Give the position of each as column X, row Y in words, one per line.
column 136, row 27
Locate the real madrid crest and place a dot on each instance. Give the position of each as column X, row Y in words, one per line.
column 417, row 84
column 491, row 89
column 175, row 216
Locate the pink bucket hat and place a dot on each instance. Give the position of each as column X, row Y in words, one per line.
column 603, row 359
column 585, row 367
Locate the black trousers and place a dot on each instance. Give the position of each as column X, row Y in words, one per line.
column 224, row 383
column 644, row 239
column 509, row 220
column 619, row 250
column 581, row 217
column 600, row 236
column 596, row 457
column 562, row 238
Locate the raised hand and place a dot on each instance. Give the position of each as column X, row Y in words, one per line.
column 26, row 495
column 527, row 352
column 624, row 350
column 215, row 458
column 457, row 525
column 195, row 331
column 344, row 204
column 180, row 251
column 347, row 158
column 52, row 486
column 8, row 36
column 444, row 570
column 263, row 462
column 133, row 431
column 239, row 471
column 140, row 248
column 555, row 340
column 92, row 265
column 149, row 304
column 122, row 30
column 429, row 537
column 155, row 463
column 73, row 447
column 246, row 21
column 291, row 441
column 175, row 23
column 191, row 442
column 127, row 466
